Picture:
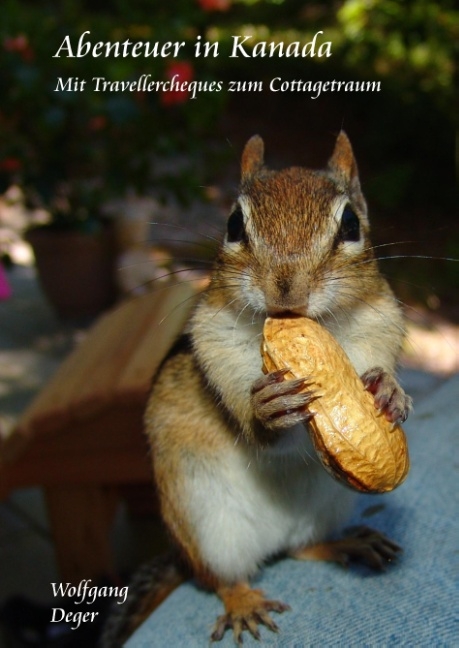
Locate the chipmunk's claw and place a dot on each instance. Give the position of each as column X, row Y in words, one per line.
column 360, row 543
column 246, row 610
column 279, row 403
column 389, row 396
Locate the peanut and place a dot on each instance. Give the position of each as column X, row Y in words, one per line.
column 354, row 441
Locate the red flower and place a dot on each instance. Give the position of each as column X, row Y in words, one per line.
column 97, row 123
column 20, row 45
column 215, row 5
column 10, row 164
column 179, row 73
column 16, row 43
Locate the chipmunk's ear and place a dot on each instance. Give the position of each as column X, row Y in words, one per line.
column 342, row 162
column 252, row 157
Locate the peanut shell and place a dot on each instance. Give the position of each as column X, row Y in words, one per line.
column 354, row 441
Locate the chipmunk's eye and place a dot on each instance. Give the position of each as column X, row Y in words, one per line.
column 235, row 226
column 350, row 225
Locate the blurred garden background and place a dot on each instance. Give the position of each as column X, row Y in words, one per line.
column 76, row 155
column 129, row 187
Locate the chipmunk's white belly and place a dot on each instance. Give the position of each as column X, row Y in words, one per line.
column 244, row 510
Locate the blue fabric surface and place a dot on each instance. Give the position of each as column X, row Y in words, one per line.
column 414, row 602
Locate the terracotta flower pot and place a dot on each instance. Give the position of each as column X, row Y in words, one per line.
column 75, row 270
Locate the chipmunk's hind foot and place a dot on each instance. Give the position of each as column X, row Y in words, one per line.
column 361, row 544
column 245, row 609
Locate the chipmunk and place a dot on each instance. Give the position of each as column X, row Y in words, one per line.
column 234, row 467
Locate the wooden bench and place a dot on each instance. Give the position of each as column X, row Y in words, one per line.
column 82, row 439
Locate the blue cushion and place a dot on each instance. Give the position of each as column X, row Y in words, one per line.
column 413, row 603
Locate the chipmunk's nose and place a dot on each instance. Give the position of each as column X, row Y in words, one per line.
column 285, row 293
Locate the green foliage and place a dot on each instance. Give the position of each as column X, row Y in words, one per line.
column 412, row 43
column 75, row 149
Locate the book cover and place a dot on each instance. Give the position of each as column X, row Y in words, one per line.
column 122, row 127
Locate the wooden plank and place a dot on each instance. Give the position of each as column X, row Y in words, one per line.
column 91, row 380
column 13, row 446
column 99, row 385
column 108, row 448
column 113, row 364
column 166, row 323
column 127, row 467
column 81, row 518
column 50, row 410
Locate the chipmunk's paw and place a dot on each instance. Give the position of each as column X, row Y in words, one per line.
column 361, row 544
column 279, row 403
column 369, row 546
column 389, row 396
column 245, row 609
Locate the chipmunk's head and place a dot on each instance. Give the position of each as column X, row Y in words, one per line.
column 297, row 239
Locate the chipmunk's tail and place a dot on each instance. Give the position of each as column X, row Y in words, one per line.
column 150, row 585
